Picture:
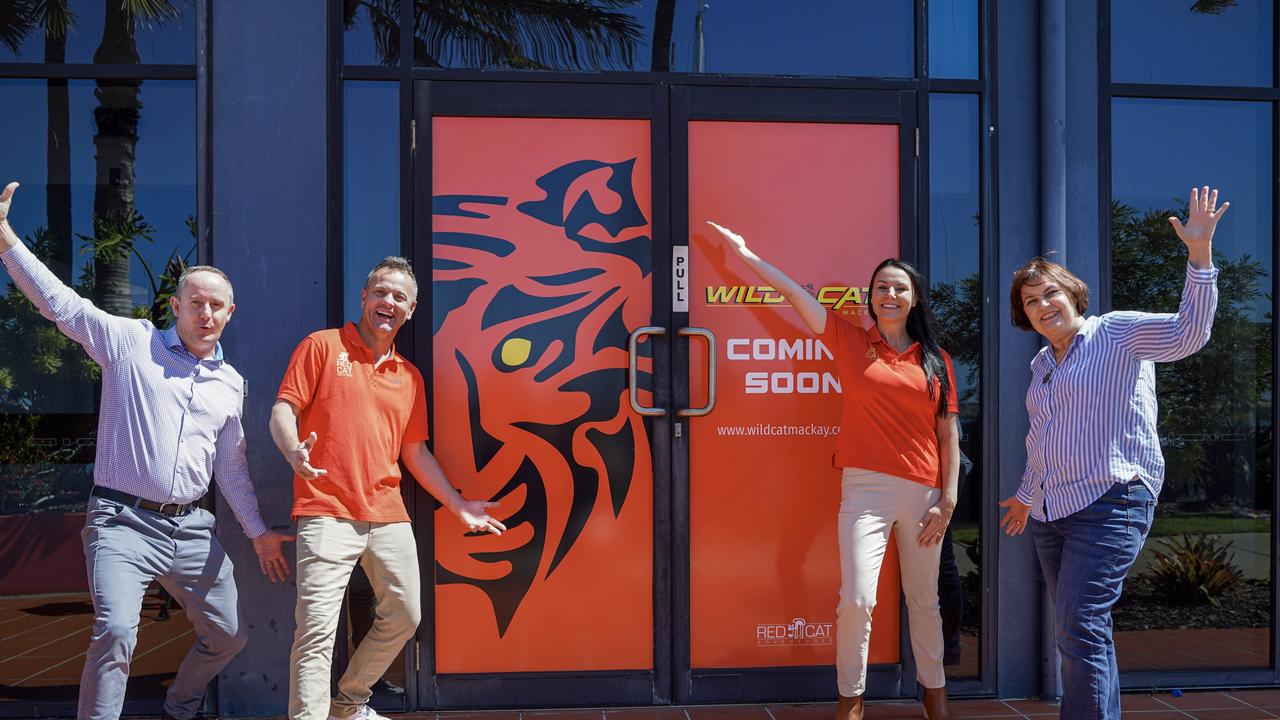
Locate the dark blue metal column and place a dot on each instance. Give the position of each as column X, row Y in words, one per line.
column 268, row 130
column 1017, row 136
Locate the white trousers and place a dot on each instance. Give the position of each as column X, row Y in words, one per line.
column 328, row 550
column 873, row 504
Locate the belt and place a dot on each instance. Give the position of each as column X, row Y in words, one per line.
column 133, row 501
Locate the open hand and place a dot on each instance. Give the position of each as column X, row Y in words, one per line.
column 1014, row 522
column 270, row 555
column 733, row 240
column 933, row 526
column 475, row 515
column 6, row 198
column 1197, row 233
column 300, row 459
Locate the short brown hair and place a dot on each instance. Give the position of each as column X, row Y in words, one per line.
column 394, row 263
column 182, row 279
column 1039, row 271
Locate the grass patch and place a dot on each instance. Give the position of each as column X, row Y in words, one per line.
column 1208, row 525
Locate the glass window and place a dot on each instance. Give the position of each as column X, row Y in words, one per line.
column 865, row 39
column 370, row 232
column 102, row 165
column 587, row 35
column 372, row 32
column 371, row 183
column 1207, row 562
column 954, row 257
column 91, row 31
column 1207, row 42
column 875, row 38
column 953, row 39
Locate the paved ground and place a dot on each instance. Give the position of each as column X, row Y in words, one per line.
column 1232, row 705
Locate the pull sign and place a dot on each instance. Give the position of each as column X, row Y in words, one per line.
column 680, row 278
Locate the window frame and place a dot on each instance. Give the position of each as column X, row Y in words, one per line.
column 1107, row 92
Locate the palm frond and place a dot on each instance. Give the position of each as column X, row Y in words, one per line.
column 17, row 20
column 151, row 12
column 55, row 16
column 1212, row 7
column 529, row 34
column 384, row 21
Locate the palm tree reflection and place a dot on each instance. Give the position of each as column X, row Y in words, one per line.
column 515, row 34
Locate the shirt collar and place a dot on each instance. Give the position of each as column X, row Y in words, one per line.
column 173, row 342
column 873, row 335
column 351, row 338
column 1086, row 331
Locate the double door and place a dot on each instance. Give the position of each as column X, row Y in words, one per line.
column 655, row 423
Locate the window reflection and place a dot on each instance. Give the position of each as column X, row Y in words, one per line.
column 93, row 31
column 954, row 255
column 953, row 39
column 544, row 35
column 824, row 38
column 1215, row 407
column 371, row 32
column 371, row 183
column 1208, row 42
column 120, row 240
column 370, row 232
column 875, row 38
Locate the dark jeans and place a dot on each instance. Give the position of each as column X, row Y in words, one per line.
column 1085, row 558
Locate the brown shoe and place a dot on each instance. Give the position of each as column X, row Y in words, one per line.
column 850, row 708
column 935, row 704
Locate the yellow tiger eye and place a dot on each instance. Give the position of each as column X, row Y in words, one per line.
column 516, row 351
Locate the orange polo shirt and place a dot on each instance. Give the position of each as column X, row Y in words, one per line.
column 361, row 416
column 888, row 422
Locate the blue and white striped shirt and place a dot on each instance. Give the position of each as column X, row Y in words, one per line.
column 169, row 422
column 1093, row 416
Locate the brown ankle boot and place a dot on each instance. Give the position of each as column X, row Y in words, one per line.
column 850, row 708
column 935, row 704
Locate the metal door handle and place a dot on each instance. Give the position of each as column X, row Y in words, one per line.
column 633, row 367
column 711, row 371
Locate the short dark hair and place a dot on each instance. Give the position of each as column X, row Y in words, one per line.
column 1036, row 272
column 397, row 264
column 182, row 279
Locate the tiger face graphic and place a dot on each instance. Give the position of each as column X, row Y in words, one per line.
column 535, row 292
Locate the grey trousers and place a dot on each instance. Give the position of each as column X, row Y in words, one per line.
column 125, row 549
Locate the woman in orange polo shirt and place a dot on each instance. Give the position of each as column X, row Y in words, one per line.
column 899, row 450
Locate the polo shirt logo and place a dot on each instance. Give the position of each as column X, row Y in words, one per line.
column 344, row 365
column 871, row 353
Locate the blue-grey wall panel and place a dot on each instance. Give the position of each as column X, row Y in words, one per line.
column 1018, row 590
column 1081, row 134
column 268, row 135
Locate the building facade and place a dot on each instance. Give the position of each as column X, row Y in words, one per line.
column 655, row 427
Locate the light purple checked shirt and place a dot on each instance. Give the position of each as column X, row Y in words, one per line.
column 169, row 422
column 1093, row 416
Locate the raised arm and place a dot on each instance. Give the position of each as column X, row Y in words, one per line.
column 473, row 513
column 811, row 311
column 106, row 337
column 1164, row 337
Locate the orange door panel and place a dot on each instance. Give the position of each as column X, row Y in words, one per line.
column 821, row 202
column 542, row 267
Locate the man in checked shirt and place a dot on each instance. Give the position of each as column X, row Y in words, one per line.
column 169, row 422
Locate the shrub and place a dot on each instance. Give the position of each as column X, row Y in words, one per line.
column 1193, row 569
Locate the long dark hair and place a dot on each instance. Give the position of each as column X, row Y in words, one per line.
column 920, row 329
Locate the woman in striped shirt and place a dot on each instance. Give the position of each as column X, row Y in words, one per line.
column 1094, row 466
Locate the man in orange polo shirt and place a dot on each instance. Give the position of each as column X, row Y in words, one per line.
column 362, row 408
